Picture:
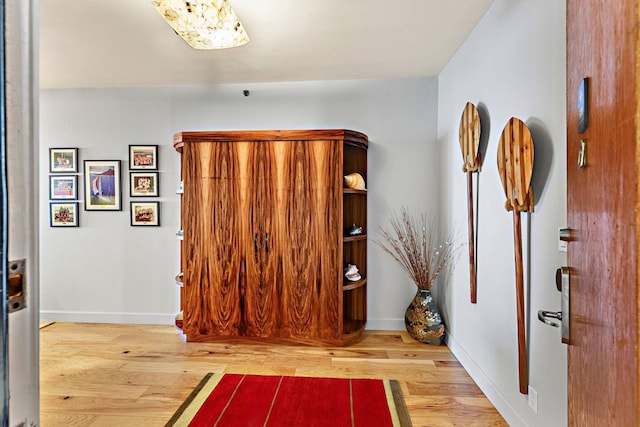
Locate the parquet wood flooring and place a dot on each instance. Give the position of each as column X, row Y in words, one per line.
column 102, row 375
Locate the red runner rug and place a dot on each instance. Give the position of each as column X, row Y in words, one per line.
column 234, row 400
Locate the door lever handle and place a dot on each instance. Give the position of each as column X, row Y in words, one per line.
column 563, row 277
column 544, row 316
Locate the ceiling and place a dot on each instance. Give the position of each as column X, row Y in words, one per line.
column 119, row 43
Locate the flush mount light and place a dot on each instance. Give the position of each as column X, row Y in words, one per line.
column 208, row 24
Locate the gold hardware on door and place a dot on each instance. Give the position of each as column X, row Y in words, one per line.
column 563, row 277
column 16, row 285
column 582, row 154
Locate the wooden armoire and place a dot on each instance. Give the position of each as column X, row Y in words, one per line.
column 265, row 223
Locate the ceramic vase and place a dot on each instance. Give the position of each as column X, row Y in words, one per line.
column 422, row 319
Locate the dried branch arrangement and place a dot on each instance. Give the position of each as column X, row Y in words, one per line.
column 418, row 245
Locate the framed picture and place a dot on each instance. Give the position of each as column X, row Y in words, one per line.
column 63, row 160
column 145, row 213
column 143, row 157
column 102, row 185
column 63, row 187
column 63, row 214
column 143, row 184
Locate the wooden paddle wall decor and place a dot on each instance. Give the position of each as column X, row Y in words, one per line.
column 469, row 134
column 515, row 165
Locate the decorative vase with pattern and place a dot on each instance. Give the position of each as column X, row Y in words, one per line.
column 422, row 319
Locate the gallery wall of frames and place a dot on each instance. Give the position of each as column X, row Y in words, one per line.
column 102, row 184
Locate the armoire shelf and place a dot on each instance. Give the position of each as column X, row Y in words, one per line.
column 349, row 286
column 347, row 239
column 268, row 240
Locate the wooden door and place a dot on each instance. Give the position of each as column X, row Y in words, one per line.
column 212, row 244
column 261, row 287
column 602, row 213
column 310, row 215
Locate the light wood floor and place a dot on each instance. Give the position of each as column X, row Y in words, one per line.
column 132, row 375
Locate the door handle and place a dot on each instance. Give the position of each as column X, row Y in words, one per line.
column 544, row 315
column 255, row 243
column 563, row 279
column 266, row 242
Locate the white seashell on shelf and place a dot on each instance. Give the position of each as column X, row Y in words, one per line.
column 351, row 273
column 354, row 181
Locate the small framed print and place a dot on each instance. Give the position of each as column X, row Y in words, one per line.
column 143, row 184
column 63, row 187
column 583, row 108
column 63, row 160
column 143, row 157
column 102, row 185
column 63, row 214
column 145, row 213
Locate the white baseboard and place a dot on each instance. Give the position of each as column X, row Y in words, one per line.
column 97, row 317
column 385, row 325
column 485, row 383
column 168, row 319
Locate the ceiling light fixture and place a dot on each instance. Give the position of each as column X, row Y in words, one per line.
column 204, row 24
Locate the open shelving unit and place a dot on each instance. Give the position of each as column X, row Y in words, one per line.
column 354, row 211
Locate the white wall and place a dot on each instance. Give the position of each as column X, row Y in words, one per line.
column 106, row 270
column 513, row 64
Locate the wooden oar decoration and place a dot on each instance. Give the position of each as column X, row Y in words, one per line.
column 515, row 164
column 469, row 134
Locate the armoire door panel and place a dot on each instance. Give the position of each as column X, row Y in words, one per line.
column 211, row 234
column 261, row 301
column 309, row 250
column 299, row 255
